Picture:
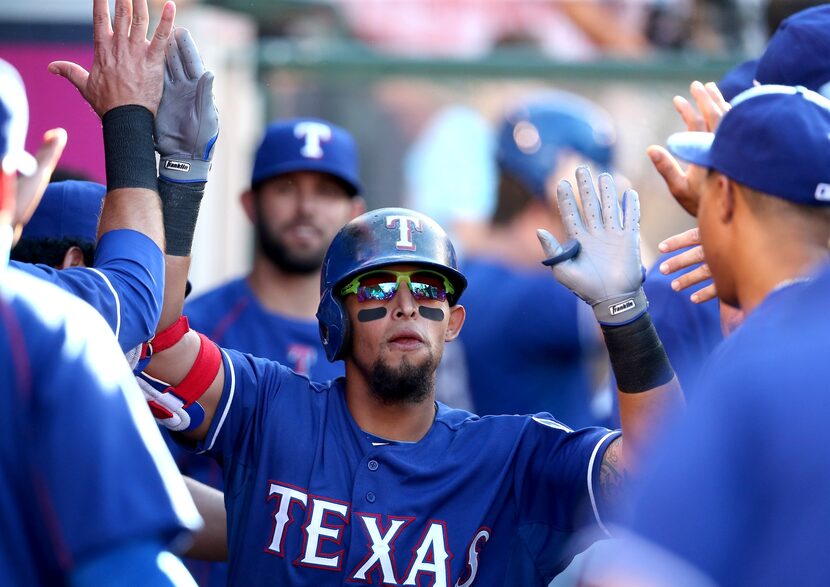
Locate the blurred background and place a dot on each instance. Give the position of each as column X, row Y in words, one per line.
column 422, row 84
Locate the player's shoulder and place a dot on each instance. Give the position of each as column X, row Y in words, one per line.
column 273, row 375
column 219, row 295
column 458, row 419
column 213, row 304
column 784, row 335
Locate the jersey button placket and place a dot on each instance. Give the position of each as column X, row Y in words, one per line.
column 373, row 465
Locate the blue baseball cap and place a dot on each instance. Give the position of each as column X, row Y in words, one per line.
column 775, row 139
column 69, row 209
column 798, row 54
column 738, row 79
column 307, row 144
column 14, row 121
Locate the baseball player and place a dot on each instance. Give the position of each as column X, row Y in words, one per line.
column 510, row 295
column 304, row 186
column 77, row 449
column 366, row 478
column 753, row 487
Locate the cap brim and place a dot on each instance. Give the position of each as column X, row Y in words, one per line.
column 692, row 147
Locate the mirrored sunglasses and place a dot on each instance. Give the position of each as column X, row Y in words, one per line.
column 383, row 284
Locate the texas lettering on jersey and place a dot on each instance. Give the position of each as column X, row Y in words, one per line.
column 322, row 526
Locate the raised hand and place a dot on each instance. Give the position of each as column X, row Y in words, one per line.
column 711, row 107
column 693, row 256
column 30, row 188
column 187, row 123
column 127, row 68
column 606, row 270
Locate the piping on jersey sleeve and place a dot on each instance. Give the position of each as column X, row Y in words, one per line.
column 228, row 403
column 591, row 464
column 117, row 328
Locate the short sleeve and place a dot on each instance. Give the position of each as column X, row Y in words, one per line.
column 556, row 487
column 125, row 284
column 250, row 384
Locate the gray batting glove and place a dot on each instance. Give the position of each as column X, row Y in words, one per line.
column 607, row 271
column 187, row 123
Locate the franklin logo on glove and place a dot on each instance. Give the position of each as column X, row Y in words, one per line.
column 177, row 166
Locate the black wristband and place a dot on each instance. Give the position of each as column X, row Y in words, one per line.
column 180, row 207
column 637, row 356
column 129, row 152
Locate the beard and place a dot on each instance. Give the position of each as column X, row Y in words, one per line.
column 408, row 383
column 281, row 256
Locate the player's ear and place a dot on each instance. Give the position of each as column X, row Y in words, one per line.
column 725, row 189
column 358, row 206
column 457, row 316
column 248, row 201
column 74, row 257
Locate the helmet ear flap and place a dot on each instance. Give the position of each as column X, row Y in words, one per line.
column 334, row 326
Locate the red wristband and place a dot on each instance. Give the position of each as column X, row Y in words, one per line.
column 170, row 336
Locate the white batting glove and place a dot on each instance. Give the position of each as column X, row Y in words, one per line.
column 187, row 123
column 606, row 270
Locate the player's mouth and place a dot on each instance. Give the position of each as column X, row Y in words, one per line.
column 406, row 340
column 303, row 233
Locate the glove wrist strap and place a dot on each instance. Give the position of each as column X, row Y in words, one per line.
column 180, row 203
column 637, row 356
column 621, row 310
column 180, row 169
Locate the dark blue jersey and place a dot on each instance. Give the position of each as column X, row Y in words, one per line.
column 232, row 316
column 522, row 343
column 83, row 466
column 741, row 487
column 125, row 284
column 313, row 500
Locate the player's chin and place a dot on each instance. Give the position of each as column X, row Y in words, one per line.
column 413, row 354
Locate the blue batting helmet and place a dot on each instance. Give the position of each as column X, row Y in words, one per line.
column 387, row 236
column 307, row 144
column 533, row 134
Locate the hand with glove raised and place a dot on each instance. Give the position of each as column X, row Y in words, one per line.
column 601, row 262
column 186, row 129
column 187, row 123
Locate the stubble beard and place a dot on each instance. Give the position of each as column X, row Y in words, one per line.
column 282, row 257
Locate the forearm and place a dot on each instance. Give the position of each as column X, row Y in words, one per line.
column 644, row 417
column 648, row 392
column 132, row 200
column 175, row 363
column 211, row 542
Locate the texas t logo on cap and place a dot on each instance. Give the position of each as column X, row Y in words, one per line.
column 314, row 134
column 405, row 225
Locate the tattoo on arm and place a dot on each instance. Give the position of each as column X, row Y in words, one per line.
column 612, row 479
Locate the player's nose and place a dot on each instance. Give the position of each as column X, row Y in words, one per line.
column 405, row 304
